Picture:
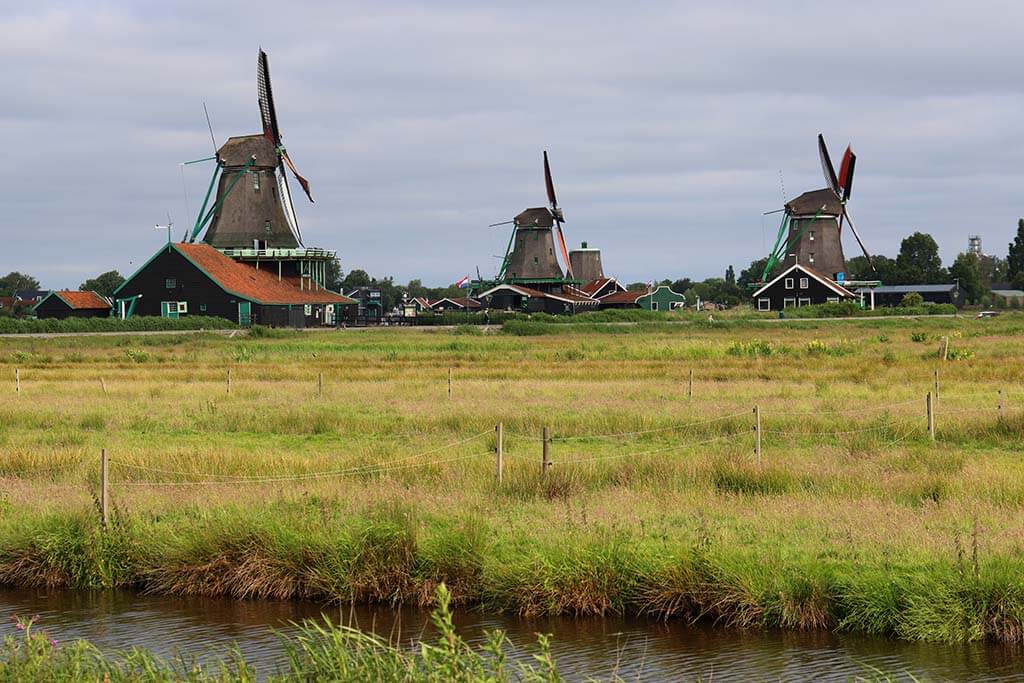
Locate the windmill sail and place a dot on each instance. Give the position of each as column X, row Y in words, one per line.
column 266, row 98
column 286, row 201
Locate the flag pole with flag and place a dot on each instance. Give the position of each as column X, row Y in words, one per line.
column 463, row 283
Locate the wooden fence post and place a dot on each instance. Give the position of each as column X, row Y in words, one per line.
column 17, row 380
column 103, row 384
column 229, row 380
column 320, row 384
column 499, row 451
column 104, row 488
column 449, row 384
column 936, row 387
column 929, row 402
column 545, row 462
column 757, row 433
column 945, row 348
column 1002, row 406
column 689, row 391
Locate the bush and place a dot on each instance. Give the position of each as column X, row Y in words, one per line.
column 912, row 299
column 137, row 324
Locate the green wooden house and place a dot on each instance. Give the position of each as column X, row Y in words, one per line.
column 663, row 298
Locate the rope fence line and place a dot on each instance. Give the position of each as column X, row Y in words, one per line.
column 668, row 449
column 274, row 480
column 227, row 478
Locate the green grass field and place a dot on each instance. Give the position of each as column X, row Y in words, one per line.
column 379, row 487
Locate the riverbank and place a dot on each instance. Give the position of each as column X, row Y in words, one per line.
column 336, row 467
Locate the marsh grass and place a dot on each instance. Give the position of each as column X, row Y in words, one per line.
column 381, row 488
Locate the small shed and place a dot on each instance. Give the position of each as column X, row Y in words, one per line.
column 461, row 303
column 1010, row 297
column 892, row 295
column 72, row 304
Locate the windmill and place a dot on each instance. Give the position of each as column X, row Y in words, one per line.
column 252, row 218
column 258, row 213
column 530, row 257
column 811, row 229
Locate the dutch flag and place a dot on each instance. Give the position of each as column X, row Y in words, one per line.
column 463, row 283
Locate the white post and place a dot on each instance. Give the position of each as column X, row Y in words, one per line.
column 872, row 298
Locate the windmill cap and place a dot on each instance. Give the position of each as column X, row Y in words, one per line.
column 237, row 151
column 811, row 203
column 538, row 217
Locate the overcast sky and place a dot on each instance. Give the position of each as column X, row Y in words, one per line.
column 417, row 124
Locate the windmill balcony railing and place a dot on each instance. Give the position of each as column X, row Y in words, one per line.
column 280, row 253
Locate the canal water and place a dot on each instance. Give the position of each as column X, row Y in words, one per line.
column 634, row 649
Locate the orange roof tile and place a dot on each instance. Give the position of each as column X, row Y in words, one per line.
column 247, row 282
column 622, row 297
column 82, row 300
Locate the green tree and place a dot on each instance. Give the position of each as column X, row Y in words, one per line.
column 1015, row 256
column 730, row 275
column 716, row 290
column 103, row 284
column 681, row 285
column 858, row 268
column 752, row 273
column 918, row 262
column 355, row 279
column 333, row 275
column 16, row 282
column 966, row 269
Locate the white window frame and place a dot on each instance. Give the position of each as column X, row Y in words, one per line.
column 654, row 305
column 307, row 309
column 789, row 302
column 764, row 304
column 803, row 301
column 673, row 305
column 804, row 283
column 182, row 307
column 790, row 283
column 833, row 299
column 810, row 257
column 810, row 236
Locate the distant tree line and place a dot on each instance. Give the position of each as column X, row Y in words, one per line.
column 390, row 292
column 917, row 262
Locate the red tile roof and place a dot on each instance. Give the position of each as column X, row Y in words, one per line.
column 622, row 297
column 247, row 282
column 83, row 300
column 596, row 285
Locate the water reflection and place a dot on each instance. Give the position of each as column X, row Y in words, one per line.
column 634, row 649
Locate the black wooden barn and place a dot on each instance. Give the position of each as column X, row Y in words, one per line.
column 508, row 297
column 70, row 304
column 196, row 279
column 799, row 285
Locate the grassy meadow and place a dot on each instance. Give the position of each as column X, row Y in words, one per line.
column 378, row 487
